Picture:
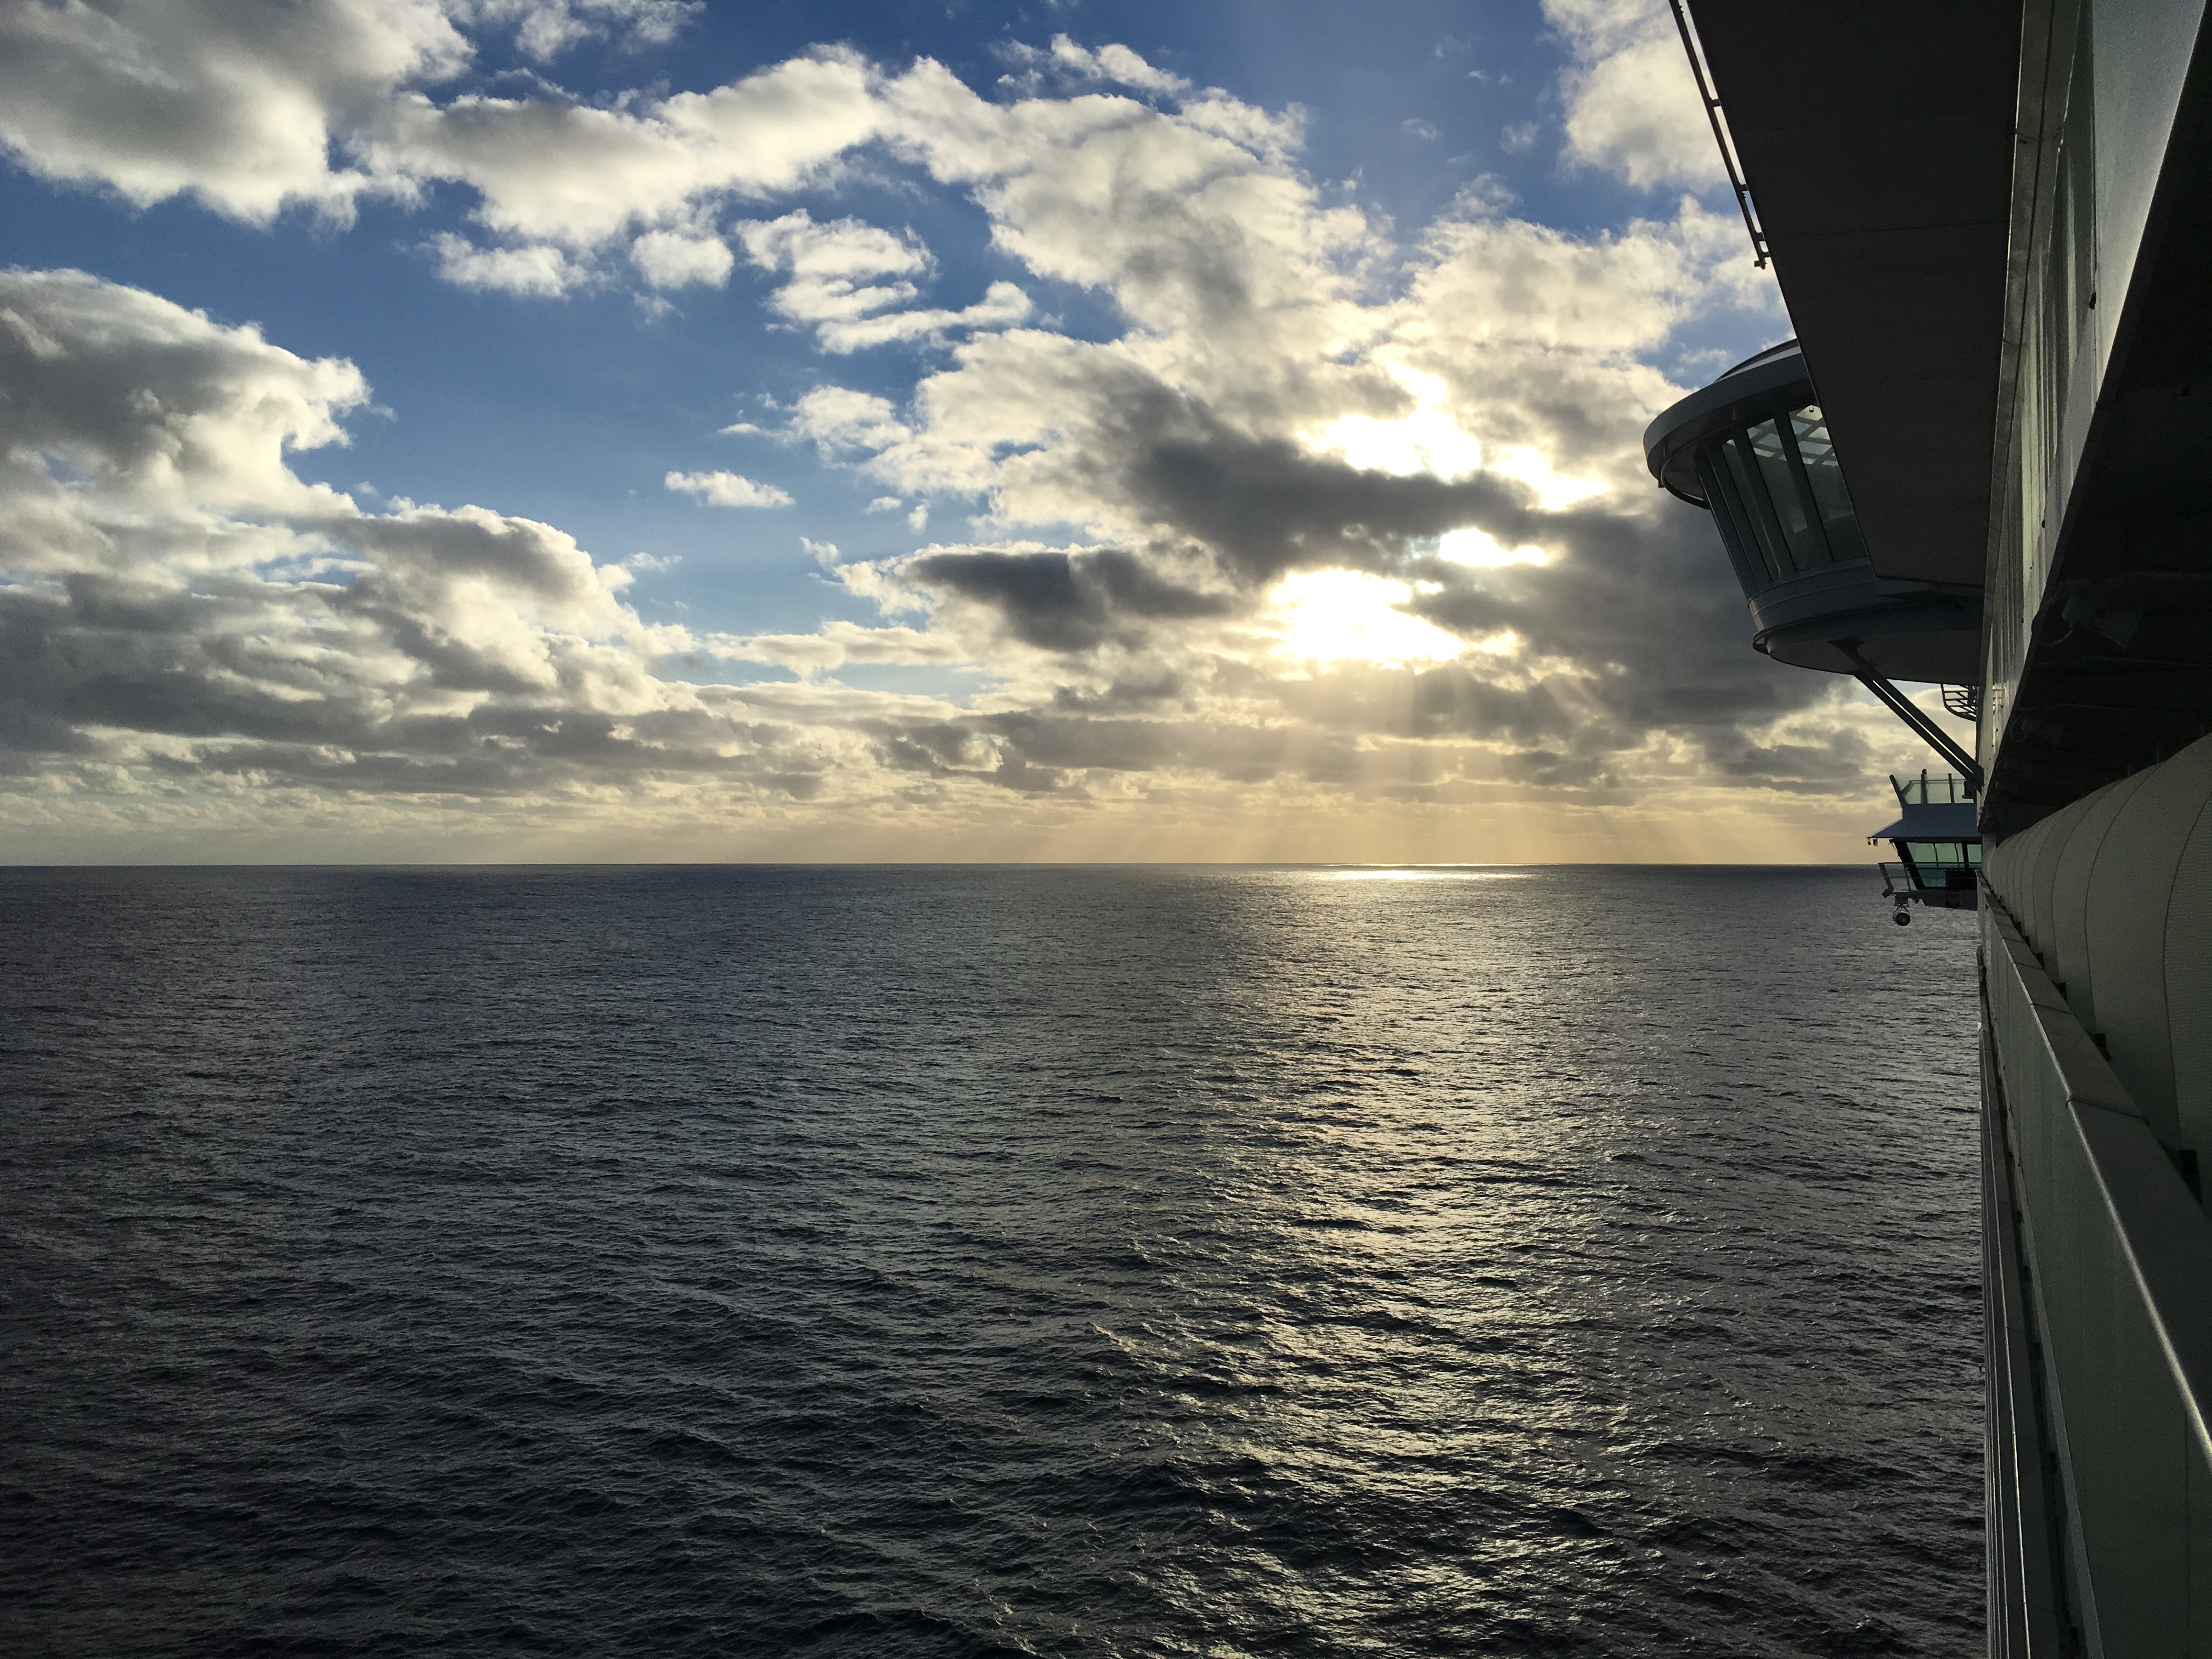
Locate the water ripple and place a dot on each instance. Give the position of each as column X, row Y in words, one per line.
column 985, row 1261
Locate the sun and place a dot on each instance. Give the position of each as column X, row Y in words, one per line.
column 1348, row 615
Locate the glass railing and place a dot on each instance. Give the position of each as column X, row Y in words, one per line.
column 1930, row 789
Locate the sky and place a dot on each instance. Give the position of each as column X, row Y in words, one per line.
column 529, row 430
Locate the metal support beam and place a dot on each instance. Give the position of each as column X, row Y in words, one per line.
column 1937, row 739
column 1901, row 705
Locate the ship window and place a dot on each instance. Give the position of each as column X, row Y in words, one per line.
column 1750, row 496
column 1729, row 519
column 1825, row 476
column 1793, row 505
column 1944, row 852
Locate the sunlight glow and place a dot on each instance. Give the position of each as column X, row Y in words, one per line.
column 1427, row 440
column 1532, row 467
column 1339, row 616
column 1480, row 547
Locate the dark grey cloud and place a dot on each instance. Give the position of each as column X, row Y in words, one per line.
column 1073, row 602
column 86, row 670
column 1266, row 507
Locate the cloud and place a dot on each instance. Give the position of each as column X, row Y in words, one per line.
column 239, row 106
column 837, row 418
column 183, row 622
column 1113, row 63
column 837, row 283
column 1002, row 304
column 544, row 29
column 547, row 170
column 198, row 644
column 251, row 110
column 1189, row 592
column 834, row 644
column 1059, row 601
column 728, row 489
column 122, row 411
column 540, row 271
column 830, row 267
column 667, row 260
column 1632, row 107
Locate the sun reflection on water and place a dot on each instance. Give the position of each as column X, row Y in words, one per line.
column 1424, row 873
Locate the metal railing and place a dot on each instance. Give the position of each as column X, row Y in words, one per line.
column 1930, row 789
column 1920, row 880
column 1702, row 73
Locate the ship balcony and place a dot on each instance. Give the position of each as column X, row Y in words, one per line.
column 1754, row 449
column 1930, row 789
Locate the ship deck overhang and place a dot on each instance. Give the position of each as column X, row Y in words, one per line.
column 1877, row 140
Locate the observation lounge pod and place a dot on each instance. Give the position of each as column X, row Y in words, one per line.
column 1754, row 449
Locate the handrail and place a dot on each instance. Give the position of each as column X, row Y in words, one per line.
column 2029, row 1504
column 1702, row 74
column 1963, row 701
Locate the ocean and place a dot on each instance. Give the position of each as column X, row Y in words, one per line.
column 945, row 1261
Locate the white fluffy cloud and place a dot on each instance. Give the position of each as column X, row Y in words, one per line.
column 728, row 489
column 1631, row 106
column 1111, row 62
column 253, row 110
column 541, row 272
column 233, row 103
column 852, row 282
column 544, row 29
column 667, row 258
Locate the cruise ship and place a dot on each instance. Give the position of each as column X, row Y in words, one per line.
column 1984, row 462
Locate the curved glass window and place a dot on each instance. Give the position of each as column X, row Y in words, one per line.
column 1824, row 475
column 1778, row 493
column 1782, row 472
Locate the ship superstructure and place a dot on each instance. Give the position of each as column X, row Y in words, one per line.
column 1991, row 221
column 1937, row 839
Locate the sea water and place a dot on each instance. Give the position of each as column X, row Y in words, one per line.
column 989, row 1260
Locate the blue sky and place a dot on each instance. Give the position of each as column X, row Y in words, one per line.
column 1159, row 431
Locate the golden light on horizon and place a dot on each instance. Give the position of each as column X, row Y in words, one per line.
column 1425, row 873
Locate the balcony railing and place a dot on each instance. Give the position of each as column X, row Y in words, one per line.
column 2118, row 1259
column 1930, row 789
column 1943, row 887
